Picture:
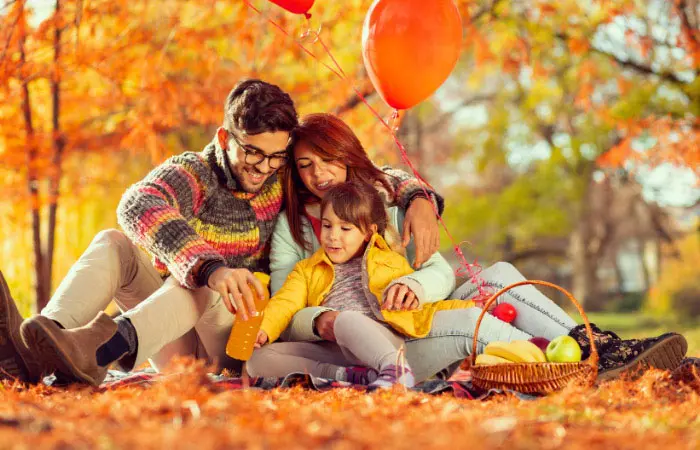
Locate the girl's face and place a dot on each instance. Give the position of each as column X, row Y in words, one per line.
column 318, row 174
column 341, row 240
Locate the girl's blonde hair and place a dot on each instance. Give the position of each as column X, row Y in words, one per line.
column 360, row 204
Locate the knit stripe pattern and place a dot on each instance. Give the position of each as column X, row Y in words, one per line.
column 406, row 188
column 191, row 208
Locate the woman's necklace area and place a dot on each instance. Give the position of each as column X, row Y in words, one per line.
column 313, row 210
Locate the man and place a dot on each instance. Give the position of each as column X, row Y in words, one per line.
column 206, row 219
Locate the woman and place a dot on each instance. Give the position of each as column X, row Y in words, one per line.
column 325, row 152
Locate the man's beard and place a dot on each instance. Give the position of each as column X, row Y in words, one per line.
column 245, row 184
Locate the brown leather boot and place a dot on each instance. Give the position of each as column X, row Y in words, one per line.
column 71, row 352
column 16, row 361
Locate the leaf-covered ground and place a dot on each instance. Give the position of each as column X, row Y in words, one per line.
column 185, row 411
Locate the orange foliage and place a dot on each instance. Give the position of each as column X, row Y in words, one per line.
column 677, row 142
column 185, row 410
column 578, row 46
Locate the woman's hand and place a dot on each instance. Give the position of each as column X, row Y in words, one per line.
column 324, row 325
column 400, row 298
column 235, row 283
column 420, row 221
column 261, row 339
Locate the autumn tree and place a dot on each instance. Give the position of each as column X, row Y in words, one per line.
column 546, row 95
column 97, row 92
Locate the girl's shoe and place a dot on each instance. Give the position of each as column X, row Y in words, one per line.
column 360, row 375
column 391, row 375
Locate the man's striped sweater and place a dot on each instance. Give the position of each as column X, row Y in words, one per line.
column 191, row 209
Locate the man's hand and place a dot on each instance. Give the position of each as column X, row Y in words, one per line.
column 261, row 339
column 235, row 283
column 400, row 297
column 420, row 221
column 325, row 323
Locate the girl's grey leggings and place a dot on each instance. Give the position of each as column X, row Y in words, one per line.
column 449, row 340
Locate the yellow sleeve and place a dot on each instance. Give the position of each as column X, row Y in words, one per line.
column 290, row 299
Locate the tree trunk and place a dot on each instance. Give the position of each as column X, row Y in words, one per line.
column 583, row 257
column 32, row 181
column 410, row 134
column 646, row 274
column 619, row 277
column 583, row 273
column 58, row 146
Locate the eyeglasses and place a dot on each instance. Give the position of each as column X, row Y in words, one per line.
column 254, row 156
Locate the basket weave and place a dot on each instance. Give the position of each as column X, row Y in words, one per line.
column 534, row 378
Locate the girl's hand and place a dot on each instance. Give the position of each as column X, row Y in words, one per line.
column 261, row 339
column 400, row 298
column 325, row 324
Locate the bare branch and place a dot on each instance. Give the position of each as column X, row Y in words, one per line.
column 463, row 104
column 483, row 11
column 539, row 252
column 354, row 100
column 683, row 8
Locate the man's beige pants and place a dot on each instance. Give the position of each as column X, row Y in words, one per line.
column 169, row 319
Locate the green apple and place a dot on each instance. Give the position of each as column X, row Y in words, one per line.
column 563, row 349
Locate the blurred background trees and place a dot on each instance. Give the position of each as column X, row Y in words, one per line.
column 566, row 141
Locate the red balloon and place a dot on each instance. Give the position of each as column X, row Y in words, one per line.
column 295, row 6
column 410, row 47
column 506, row 312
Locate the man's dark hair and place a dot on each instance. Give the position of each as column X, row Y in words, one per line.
column 255, row 107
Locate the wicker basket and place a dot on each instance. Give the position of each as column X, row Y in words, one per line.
column 534, row 378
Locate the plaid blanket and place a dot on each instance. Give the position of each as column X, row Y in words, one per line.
column 456, row 386
column 459, row 385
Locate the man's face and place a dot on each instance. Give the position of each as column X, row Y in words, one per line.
column 254, row 158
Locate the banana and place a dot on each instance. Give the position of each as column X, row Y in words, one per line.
column 527, row 346
column 509, row 351
column 490, row 359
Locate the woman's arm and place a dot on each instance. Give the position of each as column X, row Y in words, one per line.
column 434, row 280
column 407, row 188
column 284, row 253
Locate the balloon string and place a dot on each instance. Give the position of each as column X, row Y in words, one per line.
column 299, row 44
column 470, row 270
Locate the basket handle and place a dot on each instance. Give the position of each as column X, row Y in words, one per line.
column 592, row 359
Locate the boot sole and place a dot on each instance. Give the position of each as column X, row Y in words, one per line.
column 665, row 355
column 41, row 339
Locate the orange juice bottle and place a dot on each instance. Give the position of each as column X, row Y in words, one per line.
column 242, row 338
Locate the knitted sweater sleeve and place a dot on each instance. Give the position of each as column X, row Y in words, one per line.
column 407, row 188
column 156, row 211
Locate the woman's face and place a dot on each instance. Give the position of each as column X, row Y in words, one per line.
column 318, row 174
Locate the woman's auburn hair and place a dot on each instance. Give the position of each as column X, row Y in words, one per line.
column 333, row 140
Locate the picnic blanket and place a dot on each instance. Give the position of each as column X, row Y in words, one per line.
column 460, row 387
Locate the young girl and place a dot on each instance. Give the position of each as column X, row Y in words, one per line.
column 351, row 273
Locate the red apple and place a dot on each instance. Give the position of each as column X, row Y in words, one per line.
column 541, row 342
column 505, row 312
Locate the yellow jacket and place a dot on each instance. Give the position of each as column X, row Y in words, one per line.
column 312, row 278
